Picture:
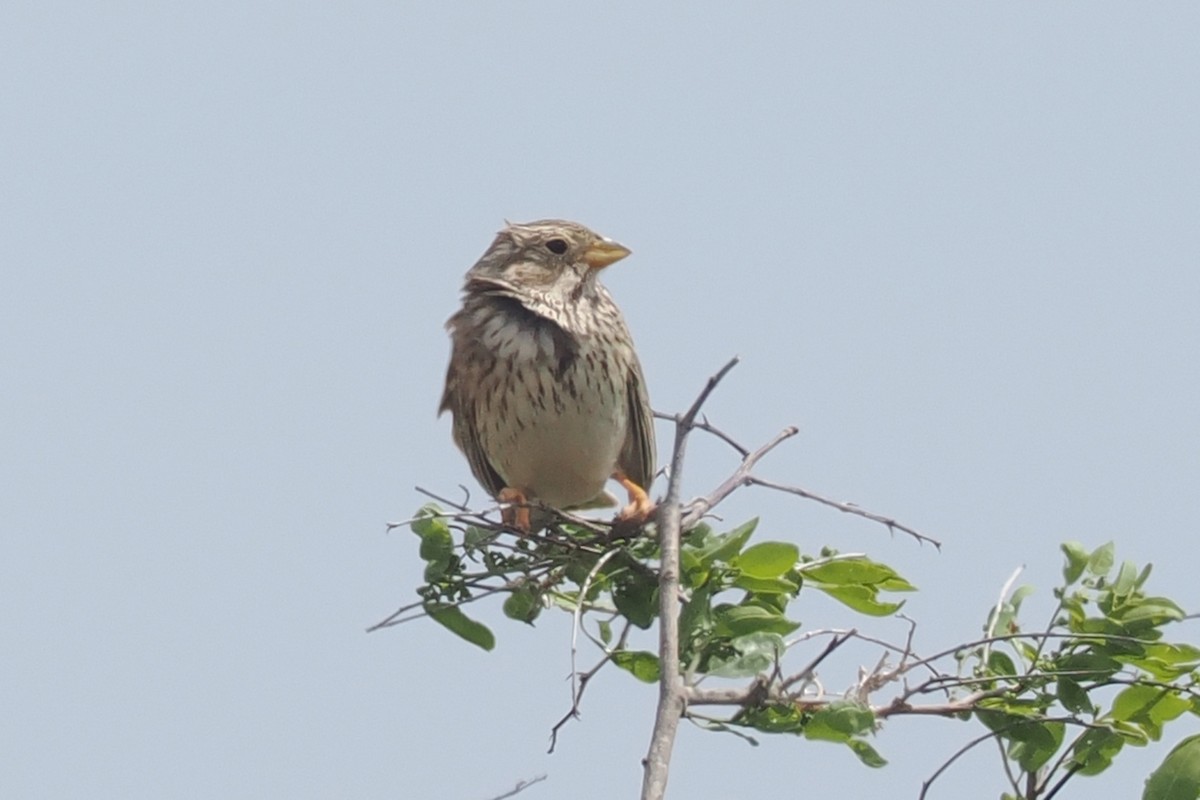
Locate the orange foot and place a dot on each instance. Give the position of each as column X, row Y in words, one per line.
column 640, row 505
column 516, row 515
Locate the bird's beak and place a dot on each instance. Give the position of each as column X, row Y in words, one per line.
column 603, row 252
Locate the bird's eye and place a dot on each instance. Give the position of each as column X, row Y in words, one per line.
column 556, row 246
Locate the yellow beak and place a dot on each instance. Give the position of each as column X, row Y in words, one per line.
column 603, row 252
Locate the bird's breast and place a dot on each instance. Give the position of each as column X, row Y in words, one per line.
column 553, row 430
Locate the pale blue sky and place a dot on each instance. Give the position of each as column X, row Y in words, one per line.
column 957, row 244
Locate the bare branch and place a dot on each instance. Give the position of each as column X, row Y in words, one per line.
column 741, row 477
column 520, row 787
column 708, row 427
column 459, row 506
column 807, row 672
column 848, row 508
column 672, row 699
column 687, row 421
column 584, row 680
column 1004, row 590
column 925, row 784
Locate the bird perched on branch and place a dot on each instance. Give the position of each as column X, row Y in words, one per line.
column 544, row 386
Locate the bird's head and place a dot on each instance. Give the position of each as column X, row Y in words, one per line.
column 550, row 261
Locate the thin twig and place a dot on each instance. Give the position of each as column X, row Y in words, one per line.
column 995, row 620
column 576, row 617
column 520, row 787
column 1070, row 773
column 997, row 733
column 704, row 425
column 925, row 784
column 807, row 672
column 584, row 680
column 741, row 477
column 848, row 508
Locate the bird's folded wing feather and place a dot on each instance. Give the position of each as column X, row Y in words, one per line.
column 637, row 454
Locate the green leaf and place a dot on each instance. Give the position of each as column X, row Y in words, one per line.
column 695, row 618
column 474, row 537
column 1073, row 697
column 1095, row 750
column 1019, row 596
column 840, row 720
column 767, row 559
column 1178, row 777
column 781, row 718
column 523, row 605
column 766, row 585
column 641, row 664
column 1154, row 610
column 692, row 570
column 605, row 631
column 429, row 520
column 1145, row 574
column 1035, row 743
column 636, row 597
column 1077, row 559
column 866, row 753
column 857, row 572
column 437, row 545
column 861, row 599
column 726, row 546
column 460, row 624
column 845, row 722
column 435, row 571
column 1087, row 666
column 1165, row 661
column 1101, row 560
column 999, row 663
column 1148, row 707
column 734, row 621
column 579, row 566
column 1126, row 580
column 752, row 654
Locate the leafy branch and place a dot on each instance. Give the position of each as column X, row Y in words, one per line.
column 1061, row 700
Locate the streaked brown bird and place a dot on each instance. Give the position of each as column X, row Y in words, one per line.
column 545, row 388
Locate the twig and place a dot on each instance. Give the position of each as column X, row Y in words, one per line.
column 925, row 784
column 460, row 506
column 520, row 787
column 576, row 622
column 395, row 619
column 584, row 680
column 741, row 477
column 808, row 671
column 708, row 427
column 744, row 476
column 848, row 508
column 997, row 733
column 1070, row 773
column 995, row 620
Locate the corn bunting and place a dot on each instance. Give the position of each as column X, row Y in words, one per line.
column 544, row 386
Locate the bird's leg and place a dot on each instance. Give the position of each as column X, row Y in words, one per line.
column 516, row 514
column 640, row 505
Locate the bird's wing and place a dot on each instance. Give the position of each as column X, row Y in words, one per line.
column 465, row 425
column 637, row 454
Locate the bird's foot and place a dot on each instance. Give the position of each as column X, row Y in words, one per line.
column 640, row 507
column 516, row 514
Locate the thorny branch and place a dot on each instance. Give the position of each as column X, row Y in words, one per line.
column 672, row 697
column 584, row 678
column 801, row 690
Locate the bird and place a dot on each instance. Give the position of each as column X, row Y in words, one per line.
column 544, row 387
